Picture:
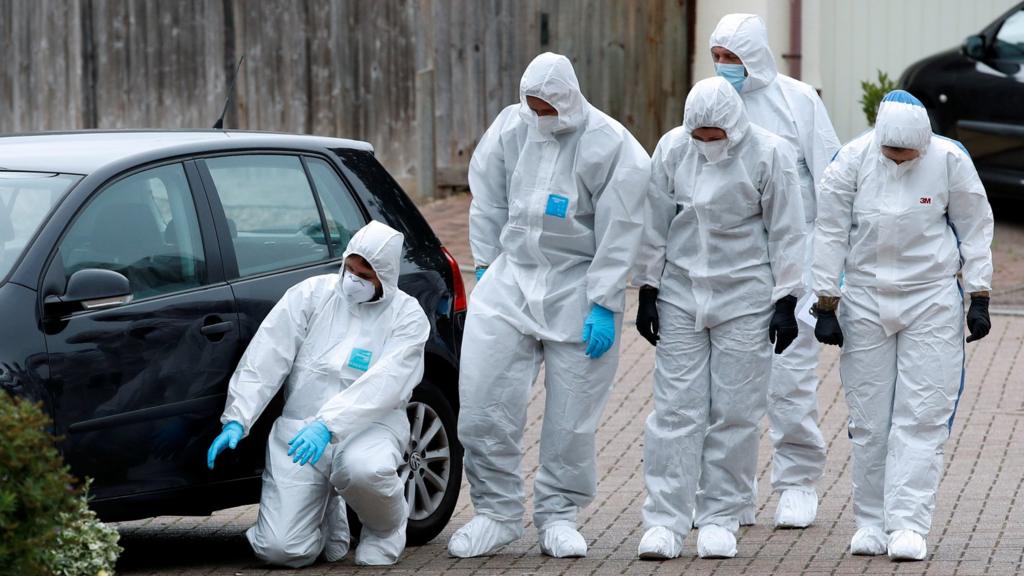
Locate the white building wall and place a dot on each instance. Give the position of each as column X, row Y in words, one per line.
column 847, row 41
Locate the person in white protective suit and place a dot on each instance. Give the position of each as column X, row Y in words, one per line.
column 790, row 109
column 901, row 213
column 557, row 212
column 720, row 271
column 348, row 349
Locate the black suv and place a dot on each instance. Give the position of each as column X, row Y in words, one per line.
column 136, row 266
column 975, row 94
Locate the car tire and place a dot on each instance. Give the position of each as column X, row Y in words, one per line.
column 428, row 466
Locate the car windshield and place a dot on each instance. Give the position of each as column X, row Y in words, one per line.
column 25, row 200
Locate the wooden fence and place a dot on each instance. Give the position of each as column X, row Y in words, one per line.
column 350, row 68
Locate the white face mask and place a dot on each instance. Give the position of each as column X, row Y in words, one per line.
column 547, row 125
column 355, row 289
column 714, row 151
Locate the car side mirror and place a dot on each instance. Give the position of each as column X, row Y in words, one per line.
column 94, row 289
column 974, row 47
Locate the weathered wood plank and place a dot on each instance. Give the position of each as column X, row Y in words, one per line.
column 334, row 67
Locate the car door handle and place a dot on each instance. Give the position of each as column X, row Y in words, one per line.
column 218, row 328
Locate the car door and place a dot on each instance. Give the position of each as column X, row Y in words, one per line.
column 275, row 232
column 991, row 118
column 140, row 385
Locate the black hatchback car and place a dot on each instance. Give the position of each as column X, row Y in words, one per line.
column 136, row 266
column 975, row 94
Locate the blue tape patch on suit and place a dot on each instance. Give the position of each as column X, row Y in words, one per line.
column 558, row 206
column 360, row 359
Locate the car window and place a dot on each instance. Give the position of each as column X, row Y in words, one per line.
column 343, row 215
column 1009, row 43
column 25, row 200
column 271, row 212
column 143, row 226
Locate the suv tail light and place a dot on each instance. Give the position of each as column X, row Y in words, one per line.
column 460, row 288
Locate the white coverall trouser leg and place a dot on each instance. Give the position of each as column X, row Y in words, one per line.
column 499, row 366
column 710, row 390
column 798, row 460
column 799, row 450
column 901, row 390
column 300, row 506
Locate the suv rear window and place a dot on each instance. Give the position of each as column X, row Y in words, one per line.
column 25, row 200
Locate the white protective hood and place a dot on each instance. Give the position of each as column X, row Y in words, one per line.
column 551, row 78
column 713, row 103
column 745, row 35
column 902, row 122
column 381, row 246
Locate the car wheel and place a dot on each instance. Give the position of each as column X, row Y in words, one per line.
column 432, row 466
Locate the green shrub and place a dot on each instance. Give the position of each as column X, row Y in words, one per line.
column 873, row 94
column 85, row 546
column 35, row 488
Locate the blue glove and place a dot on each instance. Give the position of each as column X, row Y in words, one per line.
column 309, row 444
column 480, row 272
column 599, row 331
column 228, row 438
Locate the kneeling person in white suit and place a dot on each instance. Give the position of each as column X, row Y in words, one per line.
column 348, row 349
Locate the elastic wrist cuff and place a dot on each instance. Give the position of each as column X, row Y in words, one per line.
column 827, row 303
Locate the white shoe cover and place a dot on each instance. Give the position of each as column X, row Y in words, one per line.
column 481, row 536
column 868, row 541
column 660, row 543
column 797, row 509
column 380, row 550
column 713, row 541
column 907, row 545
column 562, row 540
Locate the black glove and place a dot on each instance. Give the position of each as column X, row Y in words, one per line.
column 827, row 329
column 647, row 315
column 783, row 328
column 978, row 321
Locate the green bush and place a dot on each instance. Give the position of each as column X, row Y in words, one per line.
column 85, row 546
column 35, row 488
column 46, row 526
column 873, row 94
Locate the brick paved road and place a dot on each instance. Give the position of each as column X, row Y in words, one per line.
column 979, row 521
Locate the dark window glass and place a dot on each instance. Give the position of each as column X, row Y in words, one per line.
column 145, row 227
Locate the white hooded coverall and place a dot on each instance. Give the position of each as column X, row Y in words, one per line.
column 724, row 240
column 354, row 367
column 556, row 217
column 792, row 110
column 901, row 233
